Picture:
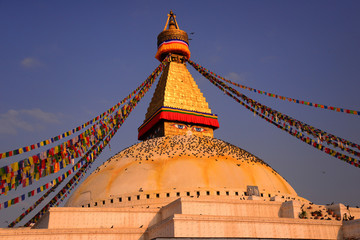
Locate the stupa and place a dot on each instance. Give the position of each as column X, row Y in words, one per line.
column 179, row 153
column 182, row 183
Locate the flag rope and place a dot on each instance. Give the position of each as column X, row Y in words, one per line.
column 322, row 135
column 287, row 122
column 29, row 170
column 70, row 132
column 119, row 117
column 311, row 104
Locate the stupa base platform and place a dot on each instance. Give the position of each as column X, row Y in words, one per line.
column 188, row 218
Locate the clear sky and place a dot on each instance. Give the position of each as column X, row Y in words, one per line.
column 64, row 62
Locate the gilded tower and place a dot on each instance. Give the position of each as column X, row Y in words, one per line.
column 178, row 107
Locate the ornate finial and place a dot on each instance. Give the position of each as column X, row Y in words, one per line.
column 172, row 18
column 172, row 39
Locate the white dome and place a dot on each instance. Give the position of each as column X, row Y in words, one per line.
column 182, row 163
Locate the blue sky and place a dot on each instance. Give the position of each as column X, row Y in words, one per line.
column 64, row 62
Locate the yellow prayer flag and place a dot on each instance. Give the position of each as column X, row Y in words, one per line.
column 57, row 149
column 26, row 169
column 31, row 160
column 15, row 166
column 8, row 178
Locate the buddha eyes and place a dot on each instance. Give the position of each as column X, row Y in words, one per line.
column 195, row 129
column 198, row 129
column 179, row 126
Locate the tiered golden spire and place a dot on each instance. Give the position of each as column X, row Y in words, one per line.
column 178, row 106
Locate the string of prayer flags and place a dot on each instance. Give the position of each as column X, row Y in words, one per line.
column 68, row 133
column 42, row 188
column 283, row 121
column 118, row 119
column 311, row 104
column 29, row 170
column 31, row 208
column 86, row 161
column 311, row 142
column 330, row 138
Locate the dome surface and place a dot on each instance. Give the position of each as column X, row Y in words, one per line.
column 181, row 162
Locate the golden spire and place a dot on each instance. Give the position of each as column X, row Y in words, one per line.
column 178, row 106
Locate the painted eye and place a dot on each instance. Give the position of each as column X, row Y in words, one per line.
column 179, row 126
column 198, row 129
